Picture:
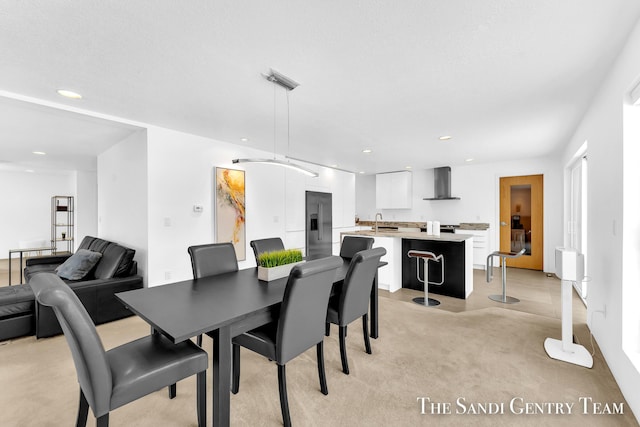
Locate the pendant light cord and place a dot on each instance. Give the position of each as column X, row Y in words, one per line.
column 288, row 130
column 274, row 121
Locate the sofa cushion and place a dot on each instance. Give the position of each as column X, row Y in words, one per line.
column 16, row 300
column 86, row 241
column 78, row 265
column 99, row 245
column 29, row 271
column 124, row 268
column 112, row 256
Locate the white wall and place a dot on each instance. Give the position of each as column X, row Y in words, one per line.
column 612, row 257
column 122, row 195
column 479, row 191
column 86, row 204
column 26, row 205
column 181, row 171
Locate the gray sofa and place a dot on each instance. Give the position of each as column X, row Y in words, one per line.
column 116, row 271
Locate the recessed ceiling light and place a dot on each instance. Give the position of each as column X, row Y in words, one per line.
column 361, row 172
column 468, row 160
column 407, row 167
column 39, row 153
column 445, row 137
column 367, row 150
column 29, row 170
column 244, row 139
column 69, row 94
column 333, row 166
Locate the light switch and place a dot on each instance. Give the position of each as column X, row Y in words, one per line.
column 167, row 222
column 198, row 208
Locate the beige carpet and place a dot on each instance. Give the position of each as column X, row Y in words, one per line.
column 486, row 356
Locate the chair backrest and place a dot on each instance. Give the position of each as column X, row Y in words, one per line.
column 266, row 245
column 351, row 245
column 304, row 307
column 89, row 357
column 354, row 299
column 212, row 259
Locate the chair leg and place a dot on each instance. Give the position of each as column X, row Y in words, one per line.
column 201, row 392
column 343, row 349
column 199, row 340
column 365, row 332
column 321, row 374
column 284, row 402
column 172, row 391
column 235, row 380
column 327, row 329
column 83, row 411
column 103, row 421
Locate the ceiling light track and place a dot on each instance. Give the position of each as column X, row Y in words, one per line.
column 280, row 79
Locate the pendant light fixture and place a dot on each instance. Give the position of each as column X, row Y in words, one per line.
column 289, row 84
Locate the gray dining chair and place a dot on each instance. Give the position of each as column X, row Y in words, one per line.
column 299, row 326
column 211, row 260
column 351, row 245
column 353, row 299
column 266, row 245
column 111, row 379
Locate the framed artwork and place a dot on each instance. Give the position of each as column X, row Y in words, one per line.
column 230, row 218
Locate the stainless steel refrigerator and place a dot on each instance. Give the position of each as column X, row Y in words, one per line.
column 318, row 228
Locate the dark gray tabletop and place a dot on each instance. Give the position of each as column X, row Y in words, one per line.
column 185, row 309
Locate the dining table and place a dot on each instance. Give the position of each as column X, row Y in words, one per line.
column 222, row 306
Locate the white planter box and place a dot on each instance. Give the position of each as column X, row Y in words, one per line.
column 273, row 273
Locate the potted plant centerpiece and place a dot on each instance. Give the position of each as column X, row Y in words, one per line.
column 276, row 264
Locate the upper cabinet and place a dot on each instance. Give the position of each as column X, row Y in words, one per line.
column 394, row 190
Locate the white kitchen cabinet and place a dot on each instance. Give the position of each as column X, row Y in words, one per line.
column 394, row 190
column 481, row 246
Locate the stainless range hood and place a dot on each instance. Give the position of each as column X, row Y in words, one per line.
column 442, row 184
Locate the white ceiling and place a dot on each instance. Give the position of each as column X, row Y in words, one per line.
column 507, row 79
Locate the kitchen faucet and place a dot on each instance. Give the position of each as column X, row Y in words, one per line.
column 376, row 229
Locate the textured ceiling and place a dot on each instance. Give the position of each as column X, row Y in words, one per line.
column 507, row 79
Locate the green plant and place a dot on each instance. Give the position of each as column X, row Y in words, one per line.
column 276, row 258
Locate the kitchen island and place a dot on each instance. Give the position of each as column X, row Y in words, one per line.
column 457, row 250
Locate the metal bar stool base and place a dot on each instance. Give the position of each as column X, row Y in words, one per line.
column 504, row 299
column 430, row 301
column 503, row 255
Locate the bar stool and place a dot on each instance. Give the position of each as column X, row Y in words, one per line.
column 504, row 255
column 426, row 257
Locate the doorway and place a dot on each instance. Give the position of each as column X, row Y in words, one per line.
column 521, row 220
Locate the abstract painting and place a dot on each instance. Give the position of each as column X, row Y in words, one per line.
column 230, row 223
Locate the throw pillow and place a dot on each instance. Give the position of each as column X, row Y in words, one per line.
column 78, row 265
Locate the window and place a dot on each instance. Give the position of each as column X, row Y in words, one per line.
column 631, row 231
column 577, row 224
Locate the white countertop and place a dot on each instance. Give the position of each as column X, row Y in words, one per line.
column 444, row 237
